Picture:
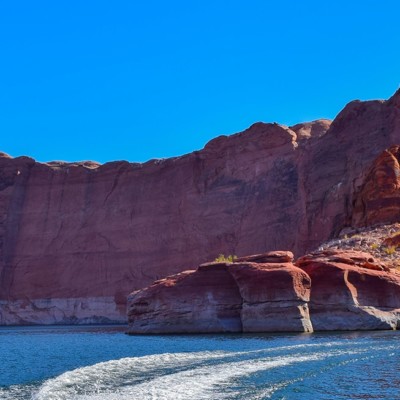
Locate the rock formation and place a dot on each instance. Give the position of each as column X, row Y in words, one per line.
column 349, row 291
column 378, row 200
column 225, row 297
column 76, row 238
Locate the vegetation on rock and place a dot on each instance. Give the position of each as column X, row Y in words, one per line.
column 381, row 241
column 229, row 258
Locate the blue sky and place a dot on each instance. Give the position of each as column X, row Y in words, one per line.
column 104, row 80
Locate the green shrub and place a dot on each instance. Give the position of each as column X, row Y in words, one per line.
column 222, row 258
column 390, row 250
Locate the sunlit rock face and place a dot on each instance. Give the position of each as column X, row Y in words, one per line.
column 378, row 200
column 330, row 290
column 351, row 291
column 84, row 230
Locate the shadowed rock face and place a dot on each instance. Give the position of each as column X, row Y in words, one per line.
column 191, row 302
column 75, row 239
column 325, row 291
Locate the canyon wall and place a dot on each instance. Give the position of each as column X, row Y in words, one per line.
column 77, row 238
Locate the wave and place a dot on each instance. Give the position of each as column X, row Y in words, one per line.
column 181, row 376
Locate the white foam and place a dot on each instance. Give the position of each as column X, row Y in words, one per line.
column 203, row 383
column 104, row 376
column 15, row 392
column 107, row 375
column 170, row 376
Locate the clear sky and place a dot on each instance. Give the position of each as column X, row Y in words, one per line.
column 134, row 80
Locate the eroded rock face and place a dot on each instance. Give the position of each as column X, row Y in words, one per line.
column 84, row 230
column 392, row 241
column 349, row 293
column 224, row 297
column 325, row 291
column 312, row 129
column 378, row 200
column 202, row 301
column 275, row 297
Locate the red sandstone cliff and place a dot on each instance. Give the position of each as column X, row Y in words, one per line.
column 225, row 297
column 75, row 239
column 324, row 291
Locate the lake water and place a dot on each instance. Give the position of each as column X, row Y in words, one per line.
column 102, row 363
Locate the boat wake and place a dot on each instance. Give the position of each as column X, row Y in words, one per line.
column 253, row 375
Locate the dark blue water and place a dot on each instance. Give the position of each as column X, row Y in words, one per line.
column 57, row 363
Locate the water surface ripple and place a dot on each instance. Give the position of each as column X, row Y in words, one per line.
column 101, row 363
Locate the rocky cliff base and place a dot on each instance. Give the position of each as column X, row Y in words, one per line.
column 322, row 291
column 60, row 311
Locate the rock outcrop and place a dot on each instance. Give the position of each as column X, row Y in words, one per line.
column 190, row 302
column 378, row 200
column 76, row 238
column 225, row 297
column 275, row 297
column 349, row 290
column 392, row 241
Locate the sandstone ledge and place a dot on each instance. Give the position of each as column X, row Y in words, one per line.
column 331, row 290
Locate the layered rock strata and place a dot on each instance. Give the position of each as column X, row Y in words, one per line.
column 378, row 200
column 349, row 291
column 76, row 238
column 225, row 297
